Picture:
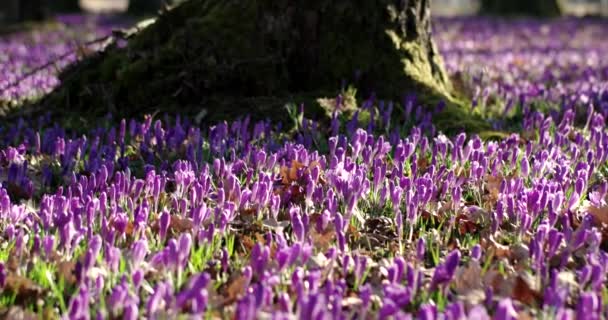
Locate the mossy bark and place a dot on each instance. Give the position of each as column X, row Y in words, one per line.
column 233, row 57
column 15, row 11
column 535, row 8
column 146, row 6
column 65, row 5
column 10, row 11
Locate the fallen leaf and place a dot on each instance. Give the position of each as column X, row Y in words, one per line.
column 492, row 185
column 423, row 164
column 177, row 225
column 290, row 174
column 523, row 292
column 65, row 269
column 17, row 192
column 236, row 288
column 248, row 243
column 248, row 214
column 17, row 313
column 466, row 226
column 25, row 290
column 599, row 214
column 324, row 239
column 318, row 261
column 351, row 302
column 468, row 278
column 515, row 286
column 496, row 249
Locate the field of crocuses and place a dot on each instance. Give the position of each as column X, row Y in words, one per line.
column 159, row 218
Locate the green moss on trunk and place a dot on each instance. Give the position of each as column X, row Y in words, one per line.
column 233, row 57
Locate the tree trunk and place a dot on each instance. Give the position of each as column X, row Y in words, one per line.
column 14, row 11
column 145, row 6
column 65, row 6
column 233, row 57
column 33, row 10
column 10, row 11
column 536, row 8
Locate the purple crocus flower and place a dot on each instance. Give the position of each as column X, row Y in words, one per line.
column 130, row 312
column 296, row 223
column 165, row 220
column 139, row 250
column 588, row 307
column 478, row 313
column 420, row 249
column 445, row 272
column 505, row 310
column 2, row 275
column 427, row 312
column 476, row 252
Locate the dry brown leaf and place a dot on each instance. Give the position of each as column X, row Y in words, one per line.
column 24, row 289
column 16, row 192
column 248, row 243
column 290, row 174
column 423, row 164
column 351, row 302
column 324, row 239
column 235, row 288
column 177, row 225
column 18, row 313
column 65, row 269
column 514, row 286
column 493, row 186
column 13, row 262
column 496, row 249
column 599, row 214
column 523, row 292
column 468, row 278
column 465, row 226
column 248, row 214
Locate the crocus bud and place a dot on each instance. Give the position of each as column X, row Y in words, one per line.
column 445, row 272
column 427, row 312
column 588, row 306
column 478, row 312
column 297, row 224
column 2, row 275
column 165, row 220
column 137, row 278
column 420, row 249
column 130, row 312
column 138, row 252
column 184, row 245
column 49, row 245
column 476, row 252
column 525, row 167
column 505, row 310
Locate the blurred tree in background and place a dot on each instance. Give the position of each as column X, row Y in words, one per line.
column 147, row 6
column 537, row 8
column 23, row 10
column 65, row 5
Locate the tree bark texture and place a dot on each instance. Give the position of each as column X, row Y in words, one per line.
column 236, row 57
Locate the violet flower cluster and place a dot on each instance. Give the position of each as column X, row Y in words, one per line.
column 61, row 43
column 160, row 218
column 506, row 64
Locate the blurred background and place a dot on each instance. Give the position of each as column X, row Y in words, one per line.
column 471, row 7
column 21, row 10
